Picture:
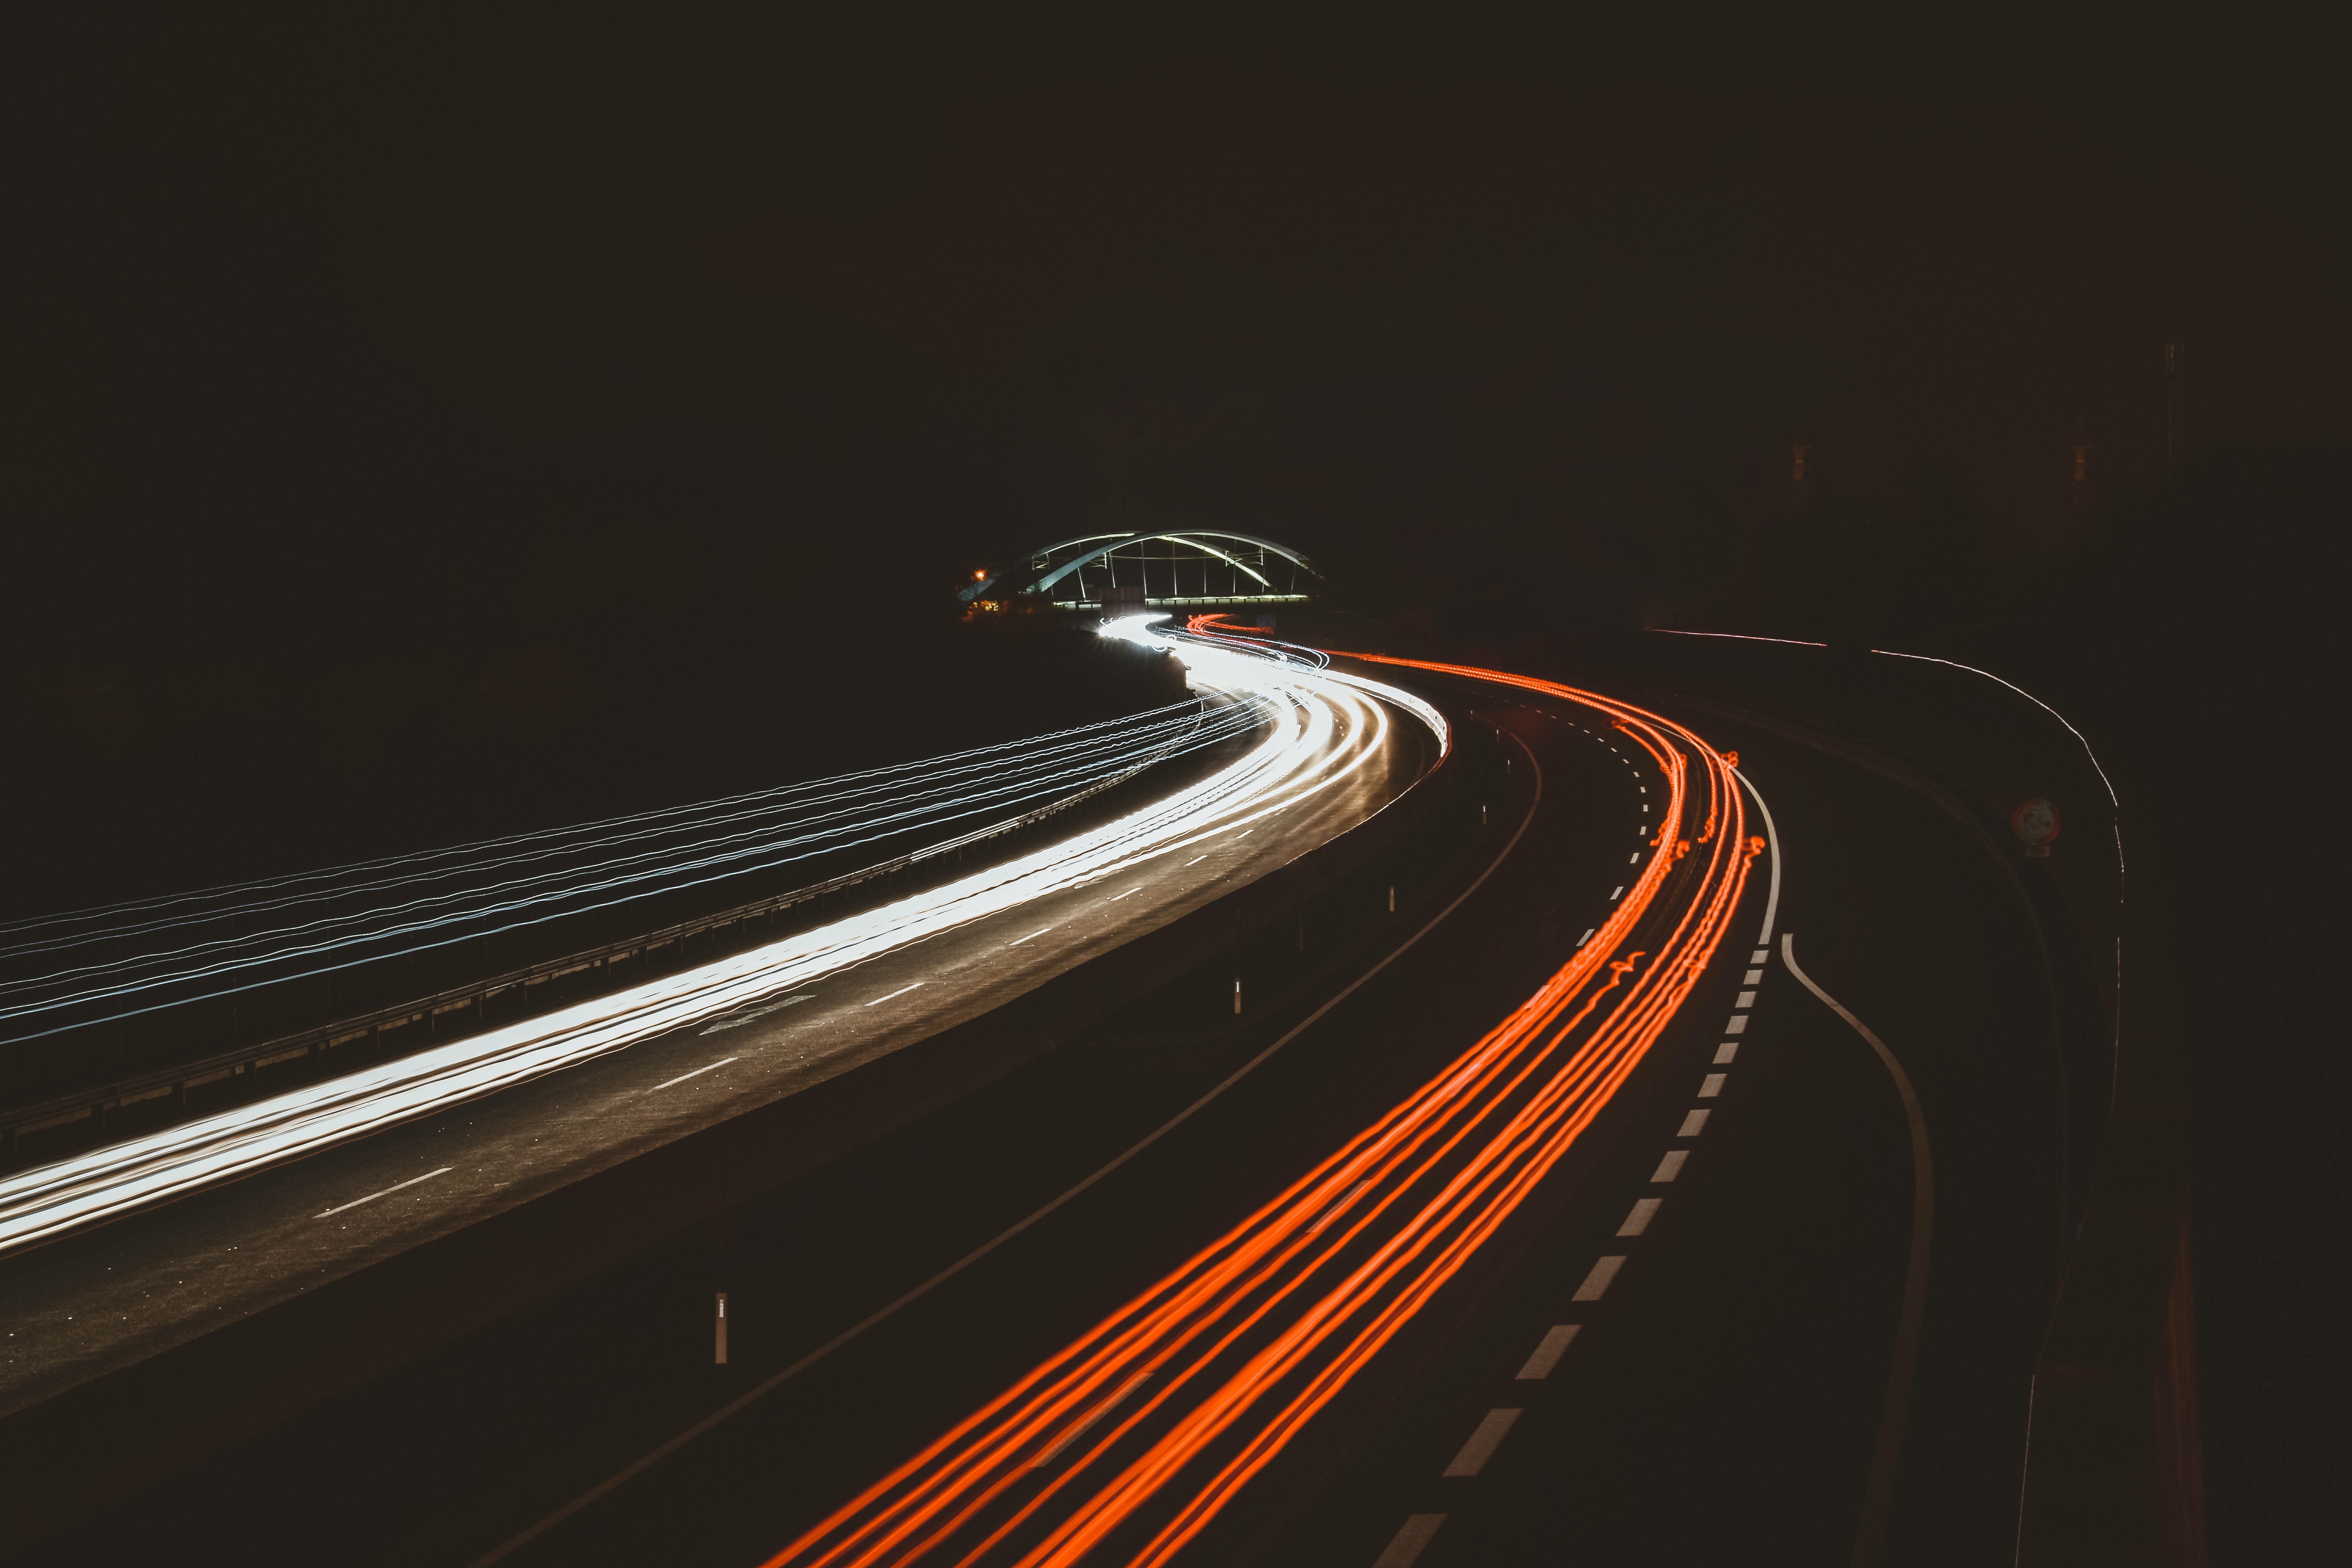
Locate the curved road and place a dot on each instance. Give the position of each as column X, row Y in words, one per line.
column 1698, row 1272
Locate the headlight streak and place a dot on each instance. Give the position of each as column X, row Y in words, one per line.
column 1150, row 1423
column 928, row 807
column 978, row 758
column 1318, row 732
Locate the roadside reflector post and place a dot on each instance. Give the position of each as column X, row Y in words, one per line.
column 719, row 1324
column 1237, row 996
column 1391, row 898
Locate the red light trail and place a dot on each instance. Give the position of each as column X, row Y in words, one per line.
column 1127, row 1443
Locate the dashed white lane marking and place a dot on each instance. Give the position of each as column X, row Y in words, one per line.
column 1194, row 860
column 1725, row 1052
column 1746, row 999
column 1604, row 1271
column 1244, row 833
column 387, row 1191
column 1761, row 954
column 1712, row 1085
column 1409, row 1542
column 1548, row 1350
column 1635, row 858
column 739, row 1019
column 1017, row 940
column 695, row 1073
column 1613, row 898
column 1128, row 894
column 1753, row 977
column 1335, row 1210
column 1670, row 1165
column 1587, row 936
column 1737, row 1024
column 1483, row 1443
column 900, row 992
column 1645, row 1211
column 1089, row 1419
column 1693, row 1124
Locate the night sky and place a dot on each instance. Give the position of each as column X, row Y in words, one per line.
column 420, row 303
column 419, row 418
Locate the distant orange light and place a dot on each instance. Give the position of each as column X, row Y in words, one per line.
column 978, row 575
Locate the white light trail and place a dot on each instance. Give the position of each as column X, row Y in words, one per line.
column 1320, row 728
column 369, row 915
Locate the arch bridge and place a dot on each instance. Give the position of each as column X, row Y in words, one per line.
column 1179, row 568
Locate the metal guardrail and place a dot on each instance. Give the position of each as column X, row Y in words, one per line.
column 103, row 1102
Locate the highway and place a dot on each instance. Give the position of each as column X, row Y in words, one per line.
column 1667, row 1203
column 363, row 1166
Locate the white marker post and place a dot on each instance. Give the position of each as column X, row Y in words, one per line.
column 720, row 1359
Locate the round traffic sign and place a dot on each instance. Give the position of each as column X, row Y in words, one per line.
column 2035, row 822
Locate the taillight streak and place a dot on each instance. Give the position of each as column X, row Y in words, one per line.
column 1265, row 1327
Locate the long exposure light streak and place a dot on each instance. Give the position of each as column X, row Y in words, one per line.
column 1127, row 1443
column 317, row 923
column 1318, row 729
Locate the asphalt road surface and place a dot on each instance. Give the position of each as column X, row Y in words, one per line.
column 105, row 1298
column 1720, row 1390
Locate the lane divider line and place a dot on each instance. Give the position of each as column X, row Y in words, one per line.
column 1549, row 1350
column 738, row 1020
column 629, row 1472
column 900, row 992
column 1091, row 1416
column 698, row 1073
column 1557, row 1340
column 1645, row 1211
column 1405, row 1549
column 387, row 1191
column 1483, row 1443
column 1596, row 1283
column 1889, row 1451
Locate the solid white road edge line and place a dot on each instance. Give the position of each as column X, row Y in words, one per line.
column 1881, row 1494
